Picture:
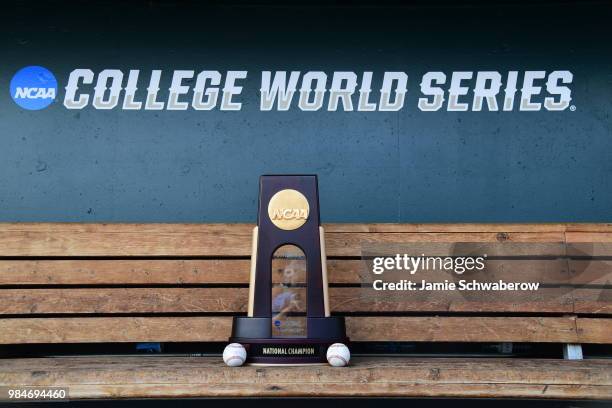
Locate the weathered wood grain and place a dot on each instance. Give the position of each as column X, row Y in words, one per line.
column 468, row 329
column 595, row 300
column 342, row 227
column 114, row 329
column 588, row 236
column 121, row 240
column 149, row 272
column 119, row 300
column 335, row 227
column 218, row 328
column 112, row 377
column 463, row 227
column 591, row 272
column 234, row 300
column 352, row 244
column 598, row 331
column 126, row 272
column 236, row 271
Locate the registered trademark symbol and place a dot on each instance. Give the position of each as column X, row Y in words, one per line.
column 573, row 108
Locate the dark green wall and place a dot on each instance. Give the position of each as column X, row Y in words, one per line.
column 411, row 166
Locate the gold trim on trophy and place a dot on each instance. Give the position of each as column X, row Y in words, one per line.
column 324, row 272
column 252, row 277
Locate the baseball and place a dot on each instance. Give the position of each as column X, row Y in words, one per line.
column 234, row 354
column 338, row 355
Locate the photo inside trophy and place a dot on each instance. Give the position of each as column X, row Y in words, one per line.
column 288, row 292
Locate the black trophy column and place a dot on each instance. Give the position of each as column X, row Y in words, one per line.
column 305, row 237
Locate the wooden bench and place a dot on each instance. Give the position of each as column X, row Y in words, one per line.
column 169, row 283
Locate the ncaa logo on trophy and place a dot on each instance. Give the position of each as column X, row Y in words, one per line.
column 288, row 216
column 288, row 209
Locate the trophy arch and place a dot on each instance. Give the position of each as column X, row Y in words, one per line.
column 289, row 301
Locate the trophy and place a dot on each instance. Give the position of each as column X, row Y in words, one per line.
column 288, row 319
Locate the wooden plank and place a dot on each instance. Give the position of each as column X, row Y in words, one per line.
column 545, row 300
column 585, row 250
column 120, row 240
column 113, row 329
column 329, row 227
column 593, row 300
column 144, row 228
column 352, row 244
column 543, row 271
column 121, row 300
column 137, row 377
column 588, row 227
column 234, row 300
column 245, row 228
column 502, row 249
column 594, row 330
column 588, row 236
column 31, row 239
column 126, row 272
column 383, row 390
column 592, row 272
column 218, row 328
column 148, row 272
column 236, row 271
column 467, row 227
column 117, row 244
column 460, row 227
column 466, row 329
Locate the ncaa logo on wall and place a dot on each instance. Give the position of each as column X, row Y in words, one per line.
column 33, row 88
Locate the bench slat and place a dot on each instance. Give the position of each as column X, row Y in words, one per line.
column 124, row 272
column 60, row 239
column 333, row 227
column 236, row 271
column 598, row 331
column 596, row 301
column 407, row 328
column 108, row 377
column 229, row 242
column 342, row 300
